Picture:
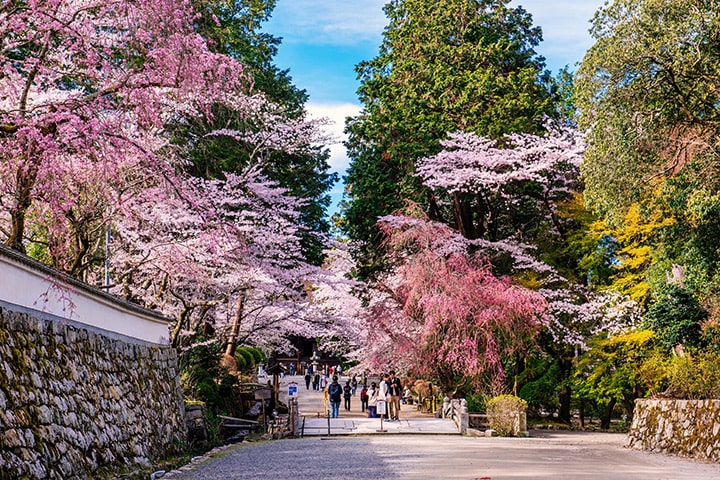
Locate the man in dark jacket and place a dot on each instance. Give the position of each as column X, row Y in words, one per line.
column 335, row 391
column 395, row 391
column 347, row 393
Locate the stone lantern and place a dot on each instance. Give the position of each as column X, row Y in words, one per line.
column 314, row 360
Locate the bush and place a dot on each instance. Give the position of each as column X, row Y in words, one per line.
column 241, row 362
column 503, row 411
column 257, row 354
column 207, row 391
column 476, row 402
column 695, row 378
column 247, row 355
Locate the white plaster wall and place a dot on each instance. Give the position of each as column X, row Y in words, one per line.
column 23, row 285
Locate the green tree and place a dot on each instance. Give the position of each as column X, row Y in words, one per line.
column 676, row 317
column 443, row 66
column 647, row 92
column 619, row 368
column 237, row 33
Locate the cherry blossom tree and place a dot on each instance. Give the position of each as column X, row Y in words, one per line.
column 337, row 299
column 223, row 258
column 443, row 314
column 88, row 86
column 519, row 185
column 91, row 94
column 500, row 178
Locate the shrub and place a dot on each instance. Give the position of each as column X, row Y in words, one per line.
column 696, row 378
column 241, row 362
column 207, row 391
column 503, row 411
column 249, row 357
column 476, row 402
column 257, row 354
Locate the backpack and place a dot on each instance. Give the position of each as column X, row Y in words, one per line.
column 334, row 390
column 347, row 391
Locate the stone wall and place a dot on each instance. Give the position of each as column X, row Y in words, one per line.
column 687, row 428
column 77, row 402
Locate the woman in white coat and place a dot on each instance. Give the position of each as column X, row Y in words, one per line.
column 372, row 401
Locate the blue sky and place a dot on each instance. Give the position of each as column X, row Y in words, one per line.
column 323, row 40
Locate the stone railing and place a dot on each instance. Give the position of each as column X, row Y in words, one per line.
column 687, row 428
column 457, row 410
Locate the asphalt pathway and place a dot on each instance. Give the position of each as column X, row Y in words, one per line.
column 556, row 456
column 543, row 456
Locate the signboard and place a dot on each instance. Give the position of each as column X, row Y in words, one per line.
column 381, row 407
column 292, row 390
column 263, row 394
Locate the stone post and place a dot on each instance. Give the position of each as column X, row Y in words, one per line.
column 520, row 425
column 464, row 420
column 446, row 408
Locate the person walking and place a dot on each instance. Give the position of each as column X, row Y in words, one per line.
column 363, row 399
column 372, row 397
column 308, row 378
column 323, row 381
column 335, row 392
column 395, row 392
column 316, row 381
column 354, row 384
column 347, row 394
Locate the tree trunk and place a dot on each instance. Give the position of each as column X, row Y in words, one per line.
column 607, row 416
column 25, row 184
column 629, row 404
column 463, row 216
column 564, row 398
column 482, row 213
column 565, row 395
column 434, row 212
column 232, row 339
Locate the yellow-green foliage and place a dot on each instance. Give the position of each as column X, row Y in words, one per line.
column 636, row 237
column 696, row 377
column 621, row 366
column 503, row 412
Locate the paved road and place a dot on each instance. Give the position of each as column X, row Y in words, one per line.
column 545, row 455
column 556, row 456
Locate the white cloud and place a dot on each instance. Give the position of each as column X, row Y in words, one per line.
column 336, row 112
column 336, row 22
column 565, row 25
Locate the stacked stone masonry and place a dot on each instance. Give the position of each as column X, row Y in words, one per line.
column 687, row 428
column 77, row 404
